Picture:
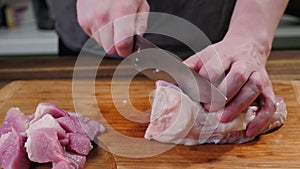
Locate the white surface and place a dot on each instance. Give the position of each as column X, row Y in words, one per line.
column 27, row 40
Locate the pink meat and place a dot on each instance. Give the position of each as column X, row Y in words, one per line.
column 16, row 120
column 43, row 146
column 62, row 165
column 175, row 118
column 79, row 143
column 51, row 134
column 12, row 152
column 47, row 121
column 48, row 108
column 81, row 125
column 77, row 161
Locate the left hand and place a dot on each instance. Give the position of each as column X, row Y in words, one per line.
column 246, row 79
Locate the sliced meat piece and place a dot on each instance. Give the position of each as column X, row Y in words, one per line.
column 77, row 161
column 43, row 146
column 175, row 118
column 12, row 151
column 48, row 108
column 62, row 165
column 82, row 125
column 79, row 143
column 47, row 121
column 16, row 120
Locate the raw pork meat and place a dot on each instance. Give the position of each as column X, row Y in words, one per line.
column 175, row 118
column 79, row 124
column 79, row 144
column 43, row 146
column 12, row 151
column 16, row 120
column 51, row 135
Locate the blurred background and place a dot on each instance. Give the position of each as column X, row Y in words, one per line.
column 27, row 28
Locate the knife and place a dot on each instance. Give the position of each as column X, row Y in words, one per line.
column 157, row 64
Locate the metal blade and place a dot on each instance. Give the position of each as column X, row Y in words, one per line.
column 158, row 64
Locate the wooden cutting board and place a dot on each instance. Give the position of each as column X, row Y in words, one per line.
column 278, row 149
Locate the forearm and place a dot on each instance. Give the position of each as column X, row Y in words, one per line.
column 256, row 21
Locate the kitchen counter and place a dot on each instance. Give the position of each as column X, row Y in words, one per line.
column 282, row 65
column 28, row 81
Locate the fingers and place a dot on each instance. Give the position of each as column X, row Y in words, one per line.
column 207, row 59
column 124, row 29
column 106, row 34
column 142, row 18
column 263, row 117
column 249, row 92
column 213, row 69
column 113, row 23
column 128, row 24
column 195, row 62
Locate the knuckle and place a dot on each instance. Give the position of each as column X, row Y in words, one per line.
column 257, row 83
column 240, row 77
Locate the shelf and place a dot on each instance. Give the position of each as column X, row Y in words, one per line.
column 26, row 40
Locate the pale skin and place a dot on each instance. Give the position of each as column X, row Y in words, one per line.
column 242, row 54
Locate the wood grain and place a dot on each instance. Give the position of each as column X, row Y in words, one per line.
column 281, row 65
column 278, row 149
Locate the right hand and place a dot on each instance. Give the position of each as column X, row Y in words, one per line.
column 114, row 35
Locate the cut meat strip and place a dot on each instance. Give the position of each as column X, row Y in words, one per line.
column 43, row 146
column 175, row 118
column 12, row 152
column 16, row 120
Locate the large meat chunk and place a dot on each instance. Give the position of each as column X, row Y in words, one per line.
column 43, row 146
column 79, row 143
column 175, row 118
column 12, row 152
column 16, row 120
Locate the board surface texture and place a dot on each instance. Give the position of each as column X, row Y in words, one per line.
column 278, row 149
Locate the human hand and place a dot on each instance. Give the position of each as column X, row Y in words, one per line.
column 115, row 35
column 246, row 79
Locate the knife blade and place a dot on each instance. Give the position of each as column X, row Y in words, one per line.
column 157, row 64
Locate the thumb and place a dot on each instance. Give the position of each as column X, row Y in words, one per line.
column 194, row 62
